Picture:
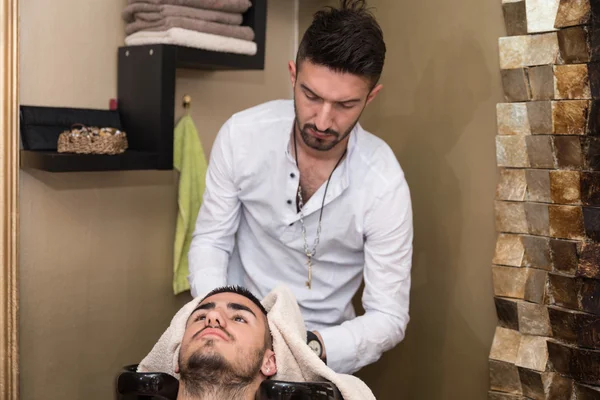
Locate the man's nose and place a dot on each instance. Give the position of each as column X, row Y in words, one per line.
column 324, row 117
column 214, row 318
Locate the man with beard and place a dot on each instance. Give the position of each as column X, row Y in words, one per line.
column 297, row 192
column 226, row 350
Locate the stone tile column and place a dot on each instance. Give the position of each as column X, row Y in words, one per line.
column 546, row 266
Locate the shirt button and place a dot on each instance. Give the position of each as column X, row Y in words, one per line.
column 289, row 202
column 292, row 175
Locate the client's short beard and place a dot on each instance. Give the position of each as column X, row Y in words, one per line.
column 211, row 373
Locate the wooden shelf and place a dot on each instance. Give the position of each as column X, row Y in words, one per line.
column 53, row 161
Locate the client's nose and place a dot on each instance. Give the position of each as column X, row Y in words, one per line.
column 214, row 319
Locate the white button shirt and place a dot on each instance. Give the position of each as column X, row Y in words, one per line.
column 248, row 233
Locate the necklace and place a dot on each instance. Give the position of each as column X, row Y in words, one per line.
column 311, row 253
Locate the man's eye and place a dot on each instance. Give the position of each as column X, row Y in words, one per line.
column 311, row 98
column 346, row 106
column 239, row 318
column 200, row 317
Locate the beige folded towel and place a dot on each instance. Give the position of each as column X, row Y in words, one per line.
column 234, row 6
column 197, row 40
column 234, row 31
column 296, row 362
column 156, row 12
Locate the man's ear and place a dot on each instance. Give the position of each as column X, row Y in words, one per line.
column 292, row 70
column 177, row 368
column 374, row 93
column 269, row 366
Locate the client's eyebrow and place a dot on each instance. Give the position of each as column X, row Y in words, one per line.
column 240, row 307
column 231, row 306
column 205, row 306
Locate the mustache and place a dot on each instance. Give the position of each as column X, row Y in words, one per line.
column 325, row 132
column 229, row 335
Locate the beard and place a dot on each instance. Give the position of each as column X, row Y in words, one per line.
column 208, row 371
column 320, row 144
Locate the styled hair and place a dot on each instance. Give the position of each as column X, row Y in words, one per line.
column 347, row 39
column 242, row 291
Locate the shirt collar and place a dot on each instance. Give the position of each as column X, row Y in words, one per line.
column 337, row 186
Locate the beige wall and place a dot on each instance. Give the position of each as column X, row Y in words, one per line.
column 96, row 248
column 437, row 111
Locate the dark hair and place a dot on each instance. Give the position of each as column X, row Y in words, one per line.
column 242, row 291
column 346, row 39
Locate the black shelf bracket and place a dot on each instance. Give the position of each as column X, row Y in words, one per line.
column 146, row 99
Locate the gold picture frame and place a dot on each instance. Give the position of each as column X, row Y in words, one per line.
column 9, row 200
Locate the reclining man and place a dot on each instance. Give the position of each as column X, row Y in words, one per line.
column 224, row 346
column 227, row 350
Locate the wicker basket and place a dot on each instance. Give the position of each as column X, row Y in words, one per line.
column 92, row 140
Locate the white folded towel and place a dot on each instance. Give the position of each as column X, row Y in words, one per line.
column 296, row 362
column 198, row 40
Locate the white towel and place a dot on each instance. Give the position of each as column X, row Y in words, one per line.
column 296, row 362
column 198, row 40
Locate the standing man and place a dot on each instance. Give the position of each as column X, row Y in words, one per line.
column 297, row 192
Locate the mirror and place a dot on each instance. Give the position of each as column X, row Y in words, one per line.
column 96, row 248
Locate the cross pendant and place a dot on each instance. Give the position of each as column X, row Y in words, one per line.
column 309, row 281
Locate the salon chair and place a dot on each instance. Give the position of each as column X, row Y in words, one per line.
column 132, row 385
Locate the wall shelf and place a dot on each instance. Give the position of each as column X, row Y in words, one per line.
column 146, row 102
column 53, row 161
column 255, row 17
column 187, row 57
column 41, row 127
column 146, row 83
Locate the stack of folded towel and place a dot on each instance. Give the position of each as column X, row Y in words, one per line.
column 206, row 24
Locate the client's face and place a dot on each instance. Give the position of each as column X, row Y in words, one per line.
column 226, row 340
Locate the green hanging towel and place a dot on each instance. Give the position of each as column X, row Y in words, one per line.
column 189, row 160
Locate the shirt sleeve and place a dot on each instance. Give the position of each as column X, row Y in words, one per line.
column 218, row 219
column 388, row 260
